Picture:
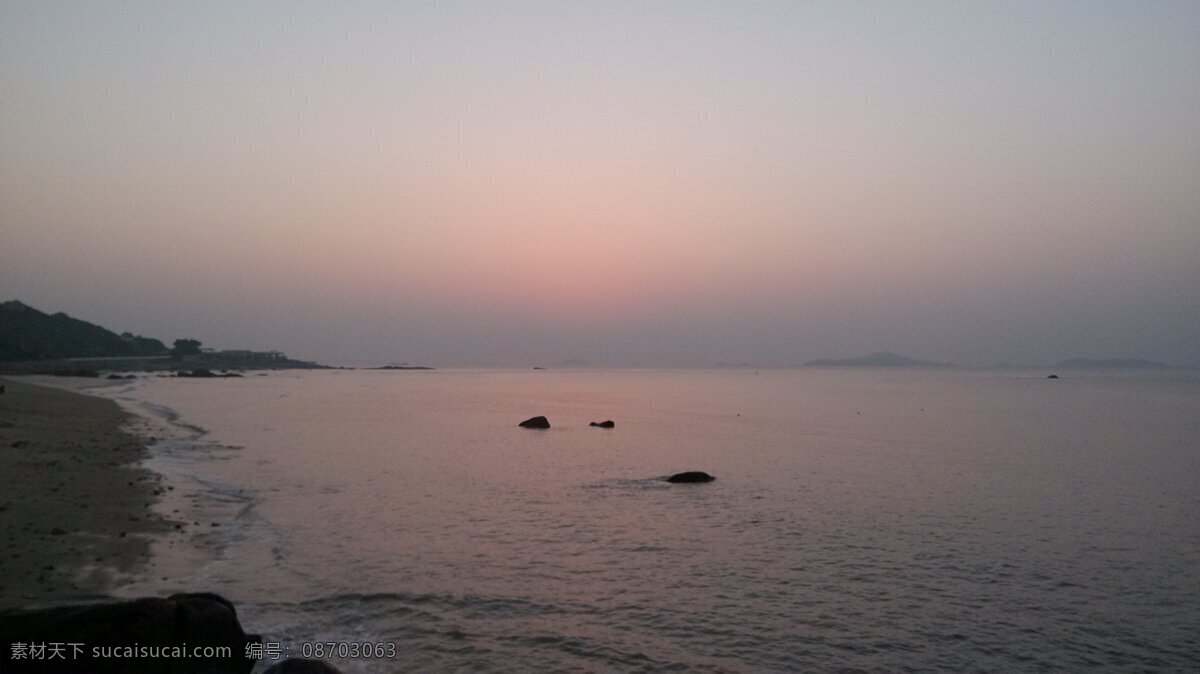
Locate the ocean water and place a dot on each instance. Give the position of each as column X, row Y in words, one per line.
column 861, row 520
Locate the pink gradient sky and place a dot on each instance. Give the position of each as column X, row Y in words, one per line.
column 672, row 183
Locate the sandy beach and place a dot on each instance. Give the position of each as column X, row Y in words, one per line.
column 75, row 507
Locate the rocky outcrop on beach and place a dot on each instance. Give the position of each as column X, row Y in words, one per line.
column 136, row 636
column 691, row 476
column 603, row 424
column 535, row 422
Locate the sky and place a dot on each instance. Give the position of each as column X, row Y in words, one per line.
column 626, row 183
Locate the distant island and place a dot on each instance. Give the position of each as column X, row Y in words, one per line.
column 401, row 367
column 32, row 341
column 881, row 359
column 1111, row 364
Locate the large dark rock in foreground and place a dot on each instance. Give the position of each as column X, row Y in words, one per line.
column 302, row 666
column 535, row 422
column 124, row 636
column 691, row 476
column 604, row 424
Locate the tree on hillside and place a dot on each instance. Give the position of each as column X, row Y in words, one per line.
column 144, row 346
column 185, row 347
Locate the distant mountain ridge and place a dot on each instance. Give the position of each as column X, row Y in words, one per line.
column 1111, row 364
column 29, row 334
column 880, row 359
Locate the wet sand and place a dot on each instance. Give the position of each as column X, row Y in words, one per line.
column 75, row 507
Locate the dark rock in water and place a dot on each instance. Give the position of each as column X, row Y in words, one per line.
column 302, row 666
column 1053, row 376
column 114, row 376
column 604, row 424
column 109, row 630
column 690, row 477
column 535, row 422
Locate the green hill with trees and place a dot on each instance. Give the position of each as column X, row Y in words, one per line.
column 29, row 334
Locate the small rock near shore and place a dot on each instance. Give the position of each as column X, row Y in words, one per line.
column 603, row 424
column 691, row 476
column 535, row 422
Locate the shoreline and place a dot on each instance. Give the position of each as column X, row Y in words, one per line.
column 77, row 507
column 83, row 528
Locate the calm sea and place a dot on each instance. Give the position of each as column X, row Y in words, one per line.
column 860, row 520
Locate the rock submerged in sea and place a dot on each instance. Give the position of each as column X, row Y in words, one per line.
column 604, row 424
column 1053, row 376
column 535, row 422
column 691, row 477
